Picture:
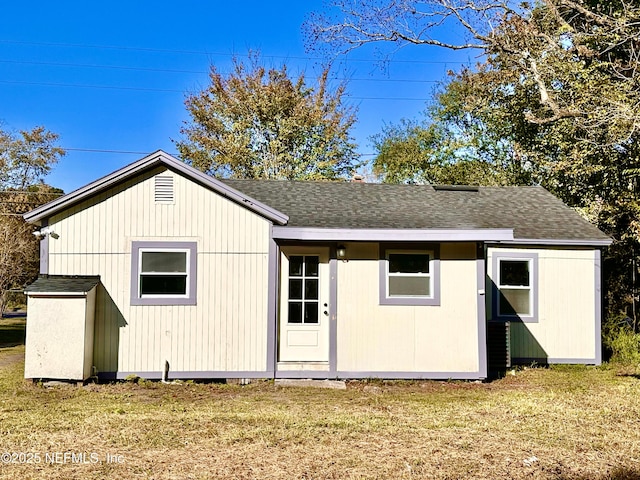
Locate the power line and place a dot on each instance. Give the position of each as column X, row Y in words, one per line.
column 133, row 152
column 77, row 85
column 27, row 192
column 95, row 65
column 20, row 203
column 201, row 72
column 169, row 90
column 207, row 53
column 97, row 150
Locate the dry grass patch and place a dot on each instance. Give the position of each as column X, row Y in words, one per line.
column 561, row 423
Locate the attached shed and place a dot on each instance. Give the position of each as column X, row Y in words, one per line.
column 60, row 327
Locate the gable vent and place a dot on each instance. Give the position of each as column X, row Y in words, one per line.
column 163, row 189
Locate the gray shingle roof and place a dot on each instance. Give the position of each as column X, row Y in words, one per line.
column 532, row 212
column 63, row 284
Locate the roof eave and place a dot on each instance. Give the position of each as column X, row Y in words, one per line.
column 35, row 293
column 393, row 235
column 570, row 242
column 157, row 158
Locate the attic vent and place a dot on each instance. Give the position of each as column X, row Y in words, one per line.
column 163, row 189
column 455, row 188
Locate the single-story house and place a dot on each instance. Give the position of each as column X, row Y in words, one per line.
column 161, row 271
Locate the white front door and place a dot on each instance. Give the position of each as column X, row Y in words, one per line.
column 304, row 305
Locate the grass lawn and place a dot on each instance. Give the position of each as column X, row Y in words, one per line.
column 12, row 331
column 565, row 423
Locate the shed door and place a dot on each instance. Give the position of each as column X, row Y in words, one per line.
column 304, row 305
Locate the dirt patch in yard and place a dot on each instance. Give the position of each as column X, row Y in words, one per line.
column 11, row 358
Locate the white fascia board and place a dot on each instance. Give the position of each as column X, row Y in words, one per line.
column 558, row 242
column 393, row 235
column 57, row 294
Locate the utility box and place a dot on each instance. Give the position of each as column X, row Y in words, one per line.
column 498, row 348
column 60, row 323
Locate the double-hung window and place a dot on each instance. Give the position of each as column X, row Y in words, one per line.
column 515, row 276
column 163, row 273
column 409, row 277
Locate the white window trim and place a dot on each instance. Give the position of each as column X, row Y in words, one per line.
column 532, row 259
column 185, row 273
column 189, row 298
column 529, row 288
column 434, row 275
column 428, row 275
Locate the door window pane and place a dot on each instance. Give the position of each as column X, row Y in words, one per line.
column 295, row 312
column 311, row 289
column 311, row 263
column 311, row 312
column 295, row 266
column 295, row 288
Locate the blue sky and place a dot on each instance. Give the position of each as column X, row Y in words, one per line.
column 111, row 77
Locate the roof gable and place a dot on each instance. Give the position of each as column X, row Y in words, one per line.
column 155, row 159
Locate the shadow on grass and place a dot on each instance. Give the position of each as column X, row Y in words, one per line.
column 620, row 473
column 12, row 331
column 623, row 474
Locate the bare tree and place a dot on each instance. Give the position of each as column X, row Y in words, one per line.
column 25, row 158
column 570, row 51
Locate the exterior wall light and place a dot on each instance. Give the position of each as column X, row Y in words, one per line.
column 341, row 251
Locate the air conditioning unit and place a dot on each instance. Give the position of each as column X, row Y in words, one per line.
column 498, row 348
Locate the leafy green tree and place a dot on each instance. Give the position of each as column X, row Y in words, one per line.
column 259, row 123
column 555, row 99
column 451, row 146
column 25, row 158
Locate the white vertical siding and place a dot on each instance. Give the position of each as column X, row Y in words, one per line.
column 566, row 326
column 225, row 331
column 390, row 338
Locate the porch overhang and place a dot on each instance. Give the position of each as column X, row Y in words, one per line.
column 393, row 235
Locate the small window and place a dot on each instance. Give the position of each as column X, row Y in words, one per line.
column 515, row 280
column 163, row 273
column 409, row 277
column 515, row 287
column 408, row 274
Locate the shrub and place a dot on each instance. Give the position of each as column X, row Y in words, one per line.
column 624, row 345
